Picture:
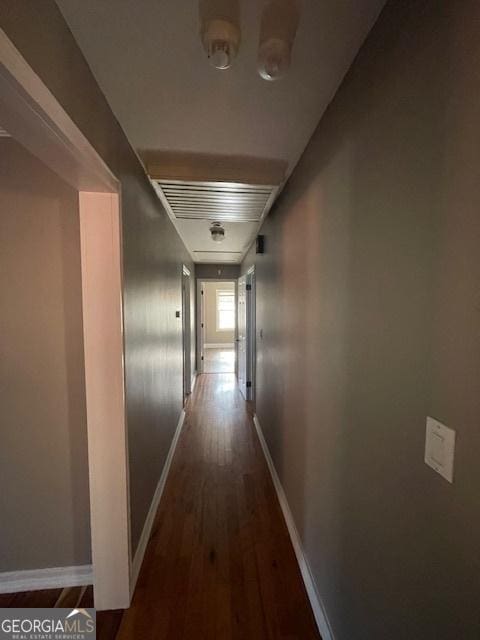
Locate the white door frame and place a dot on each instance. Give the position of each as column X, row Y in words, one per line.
column 200, row 306
column 251, row 333
column 248, row 340
column 200, row 316
column 186, row 333
column 241, row 341
column 34, row 117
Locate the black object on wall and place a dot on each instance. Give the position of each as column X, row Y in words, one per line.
column 260, row 244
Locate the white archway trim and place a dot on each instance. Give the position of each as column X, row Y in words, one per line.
column 33, row 116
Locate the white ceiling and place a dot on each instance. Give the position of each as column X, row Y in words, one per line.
column 149, row 61
column 238, row 236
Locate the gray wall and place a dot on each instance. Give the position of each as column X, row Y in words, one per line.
column 44, row 500
column 368, row 298
column 153, row 252
column 217, row 271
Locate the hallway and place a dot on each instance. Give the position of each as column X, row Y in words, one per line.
column 275, row 204
column 219, row 563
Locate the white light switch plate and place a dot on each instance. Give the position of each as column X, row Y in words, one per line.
column 440, row 448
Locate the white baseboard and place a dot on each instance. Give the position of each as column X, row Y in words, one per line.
column 218, row 345
column 50, row 578
column 147, row 527
column 194, row 380
column 315, row 600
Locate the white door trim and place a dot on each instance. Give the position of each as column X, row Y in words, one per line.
column 242, row 349
column 150, row 519
column 33, row 116
column 49, row 578
column 251, row 333
column 318, row 608
column 200, row 317
column 186, row 333
column 100, row 233
column 200, row 325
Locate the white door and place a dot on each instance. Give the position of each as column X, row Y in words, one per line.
column 200, row 325
column 242, row 336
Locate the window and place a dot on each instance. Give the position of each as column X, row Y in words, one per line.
column 225, row 310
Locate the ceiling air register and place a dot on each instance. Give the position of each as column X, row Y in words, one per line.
column 216, row 201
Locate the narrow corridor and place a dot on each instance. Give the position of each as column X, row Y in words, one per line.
column 219, row 563
column 277, row 202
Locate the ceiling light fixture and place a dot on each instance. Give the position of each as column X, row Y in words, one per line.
column 220, row 31
column 221, row 40
column 217, row 232
column 277, row 34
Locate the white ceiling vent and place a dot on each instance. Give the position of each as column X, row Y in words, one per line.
column 219, row 201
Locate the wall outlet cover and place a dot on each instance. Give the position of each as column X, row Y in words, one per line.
column 440, row 448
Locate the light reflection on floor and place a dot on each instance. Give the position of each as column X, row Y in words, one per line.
column 227, row 383
column 219, row 360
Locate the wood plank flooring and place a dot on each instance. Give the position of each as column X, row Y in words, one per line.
column 219, row 564
column 221, row 360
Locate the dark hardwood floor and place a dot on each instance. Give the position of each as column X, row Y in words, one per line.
column 219, row 564
column 31, row 599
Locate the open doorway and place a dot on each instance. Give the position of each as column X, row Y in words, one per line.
column 63, row 381
column 217, row 326
column 42, row 370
